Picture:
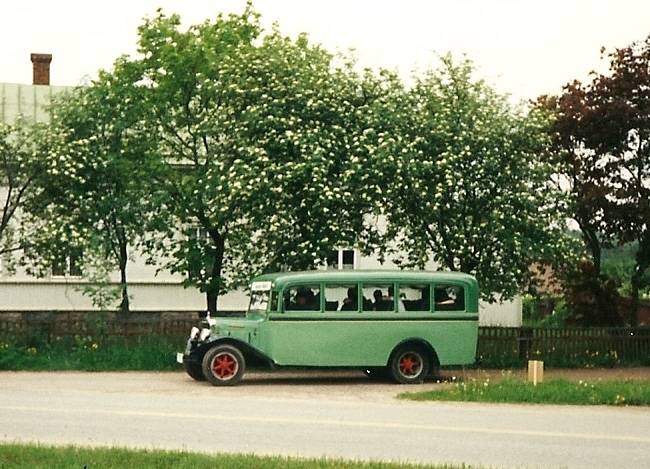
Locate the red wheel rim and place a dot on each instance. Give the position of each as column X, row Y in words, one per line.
column 224, row 365
column 410, row 364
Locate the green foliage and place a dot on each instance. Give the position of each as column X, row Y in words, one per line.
column 618, row 263
column 545, row 312
column 557, row 391
column 466, row 184
column 89, row 353
column 41, row 456
column 103, row 293
column 560, row 317
column 20, row 164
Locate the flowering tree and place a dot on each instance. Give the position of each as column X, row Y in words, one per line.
column 467, row 184
column 318, row 126
column 91, row 195
column 260, row 141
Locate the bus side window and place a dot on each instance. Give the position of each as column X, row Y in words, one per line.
column 415, row 297
column 449, row 298
column 378, row 297
column 302, row 298
column 341, row 297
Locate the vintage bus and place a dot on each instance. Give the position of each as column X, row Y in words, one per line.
column 400, row 324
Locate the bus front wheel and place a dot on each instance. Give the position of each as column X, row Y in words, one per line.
column 224, row 365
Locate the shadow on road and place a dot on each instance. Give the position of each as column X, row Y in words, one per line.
column 328, row 378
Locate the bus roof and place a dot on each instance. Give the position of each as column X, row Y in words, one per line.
column 280, row 279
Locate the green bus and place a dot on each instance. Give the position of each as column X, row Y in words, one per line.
column 402, row 324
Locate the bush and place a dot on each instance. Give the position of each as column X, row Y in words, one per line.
column 592, row 297
column 90, row 353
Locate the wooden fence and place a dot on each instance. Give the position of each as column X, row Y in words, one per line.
column 497, row 346
column 594, row 346
column 53, row 324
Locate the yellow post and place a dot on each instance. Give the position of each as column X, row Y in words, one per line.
column 535, row 371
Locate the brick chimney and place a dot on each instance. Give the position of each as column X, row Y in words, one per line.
column 41, row 68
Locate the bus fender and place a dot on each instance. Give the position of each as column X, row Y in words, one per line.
column 251, row 354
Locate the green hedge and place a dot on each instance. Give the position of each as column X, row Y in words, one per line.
column 90, row 353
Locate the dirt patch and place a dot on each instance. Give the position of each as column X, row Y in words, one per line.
column 328, row 385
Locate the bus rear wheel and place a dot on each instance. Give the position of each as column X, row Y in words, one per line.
column 224, row 365
column 409, row 365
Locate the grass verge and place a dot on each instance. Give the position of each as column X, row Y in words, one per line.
column 557, row 391
column 38, row 456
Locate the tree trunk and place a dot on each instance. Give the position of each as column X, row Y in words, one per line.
column 212, row 292
column 642, row 259
column 636, row 286
column 124, row 304
column 590, row 238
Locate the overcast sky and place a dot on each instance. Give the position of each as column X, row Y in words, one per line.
column 525, row 48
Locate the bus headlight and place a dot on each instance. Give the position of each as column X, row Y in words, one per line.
column 194, row 332
column 205, row 333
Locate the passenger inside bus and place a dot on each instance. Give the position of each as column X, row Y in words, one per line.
column 350, row 302
column 304, row 300
column 449, row 298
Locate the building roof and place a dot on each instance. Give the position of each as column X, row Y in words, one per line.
column 28, row 101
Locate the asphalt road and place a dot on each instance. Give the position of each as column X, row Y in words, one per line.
column 333, row 414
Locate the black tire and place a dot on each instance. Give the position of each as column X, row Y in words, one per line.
column 409, row 364
column 376, row 373
column 194, row 369
column 224, row 365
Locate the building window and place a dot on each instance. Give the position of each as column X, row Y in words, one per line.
column 68, row 265
column 198, row 234
column 341, row 259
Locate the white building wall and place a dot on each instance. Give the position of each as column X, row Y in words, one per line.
column 54, row 295
column 505, row 314
column 20, row 291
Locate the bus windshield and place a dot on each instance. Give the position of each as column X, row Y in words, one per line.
column 260, row 296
